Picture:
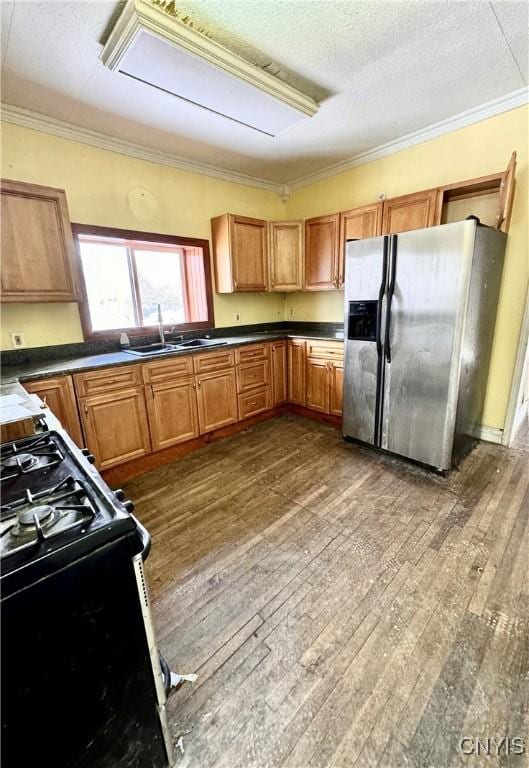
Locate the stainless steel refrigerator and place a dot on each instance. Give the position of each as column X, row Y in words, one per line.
column 420, row 311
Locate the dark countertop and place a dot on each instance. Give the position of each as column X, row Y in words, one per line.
column 75, row 364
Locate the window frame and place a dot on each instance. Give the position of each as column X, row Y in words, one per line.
column 137, row 236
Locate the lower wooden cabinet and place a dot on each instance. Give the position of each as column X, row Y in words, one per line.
column 217, row 399
column 252, row 403
column 336, row 388
column 317, row 393
column 172, row 410
column 279, row 372
column 123, row 419
column 115, row 426
column 59, row 395
column 253, row 375
column 296, row 371
column 324, row 384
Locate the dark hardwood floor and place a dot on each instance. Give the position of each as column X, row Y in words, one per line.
column 340, row 608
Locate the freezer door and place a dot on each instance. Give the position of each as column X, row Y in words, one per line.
column 427, row 295
column 363, row 292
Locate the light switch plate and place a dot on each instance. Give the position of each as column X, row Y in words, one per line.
column 17, row 340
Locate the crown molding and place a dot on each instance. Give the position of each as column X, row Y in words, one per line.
column 28, row 119
column 475, row 115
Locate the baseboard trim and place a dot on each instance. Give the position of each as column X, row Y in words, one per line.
column 487, row 434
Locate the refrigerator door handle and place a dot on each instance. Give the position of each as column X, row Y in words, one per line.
column 381, row 292
column 391, row 291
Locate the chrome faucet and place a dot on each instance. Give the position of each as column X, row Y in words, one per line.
column 160, row 325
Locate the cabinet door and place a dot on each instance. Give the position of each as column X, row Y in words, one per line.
column 38, row 262
column 335, row 388
column 357, row 224
column 296, row 372
column 506, row 195
column 249, row 254
column 115, row 426
column 217, row 400
column 172, row 410
column 322, row 236
column 317, row 385
column 286, row 255
column 416, row 211
column 279, row 372
column 58, row 394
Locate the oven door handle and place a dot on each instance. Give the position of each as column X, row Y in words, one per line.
column 145, row 538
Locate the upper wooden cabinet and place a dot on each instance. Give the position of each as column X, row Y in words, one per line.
column 58, row 394
column 506, row 196
column 357, row 224
column 285, row 248
column 240, row 253
column 489, row 198
column 322, row 252
column 416, row 211
column 38, row 261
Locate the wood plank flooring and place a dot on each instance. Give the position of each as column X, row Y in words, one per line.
column 340, row 608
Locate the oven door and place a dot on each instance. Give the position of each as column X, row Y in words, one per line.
column 79, row 686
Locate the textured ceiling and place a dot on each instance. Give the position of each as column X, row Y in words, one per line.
column 381, row 69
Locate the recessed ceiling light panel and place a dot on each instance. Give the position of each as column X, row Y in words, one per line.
column 152, row 44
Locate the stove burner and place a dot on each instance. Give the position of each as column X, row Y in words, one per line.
column 27, row 516
column 38, row 516
column 22, row 460
column 29, row 455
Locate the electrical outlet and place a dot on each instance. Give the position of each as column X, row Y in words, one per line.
column 292, row 311
column 237, row 317
column 17, row 340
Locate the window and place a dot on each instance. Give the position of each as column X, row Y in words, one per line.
column 127, row 274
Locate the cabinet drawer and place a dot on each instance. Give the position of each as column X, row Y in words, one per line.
column 165, row 370
column 330, row 350
column 251, row 403
column 98, row 382
column 253, row 375
column 252, row 352
column 214, row 361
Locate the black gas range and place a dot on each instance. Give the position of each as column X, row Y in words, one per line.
column 78, row 645
column 52, row 497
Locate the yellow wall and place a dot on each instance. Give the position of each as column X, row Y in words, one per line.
column 98, row 184
column 472, row 151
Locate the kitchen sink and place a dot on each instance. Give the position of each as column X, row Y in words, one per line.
column 193, row 343
column 151, row 349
